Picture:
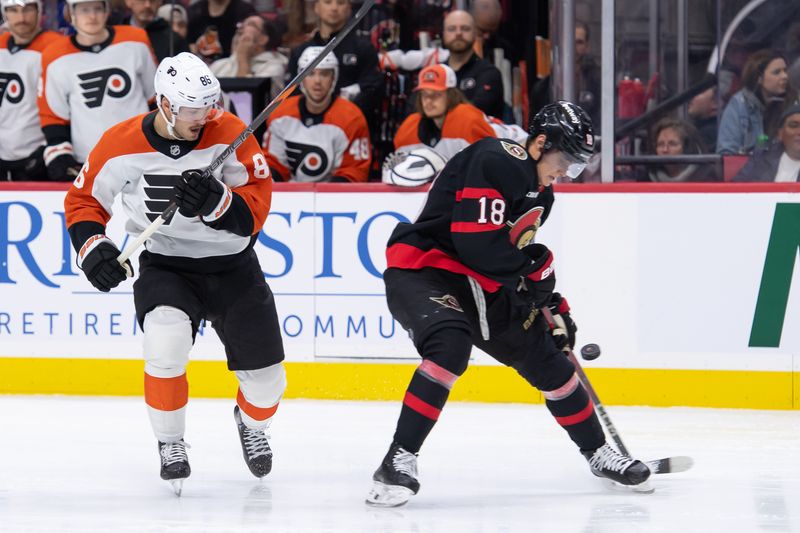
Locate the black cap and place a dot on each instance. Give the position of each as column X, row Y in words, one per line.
column 794, row 110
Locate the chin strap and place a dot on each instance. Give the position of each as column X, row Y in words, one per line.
column 170, row 125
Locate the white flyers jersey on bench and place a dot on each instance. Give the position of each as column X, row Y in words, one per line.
column 90, row 89
column 131, row 160
column 20, row 68
column 305, row 147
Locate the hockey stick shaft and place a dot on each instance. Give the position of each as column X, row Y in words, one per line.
column 254, row 125
column 598, row 405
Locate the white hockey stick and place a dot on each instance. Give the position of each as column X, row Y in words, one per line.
column 258, row 121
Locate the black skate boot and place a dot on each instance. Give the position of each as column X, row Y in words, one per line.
column 395, row 481
column 255, row 447
column 606, row 462
column 174, row 463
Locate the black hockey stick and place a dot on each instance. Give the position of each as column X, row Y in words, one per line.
column 258, row 121
column 668, row 465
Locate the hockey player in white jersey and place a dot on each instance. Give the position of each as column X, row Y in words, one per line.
column 200, row 265
column 91, row 81
column 317, row 136
column 20, row 67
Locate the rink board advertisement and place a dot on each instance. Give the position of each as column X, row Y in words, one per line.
column 695, row 281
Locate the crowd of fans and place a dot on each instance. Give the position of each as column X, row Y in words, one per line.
column 414, row 75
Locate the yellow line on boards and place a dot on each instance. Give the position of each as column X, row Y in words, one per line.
column 379, row 381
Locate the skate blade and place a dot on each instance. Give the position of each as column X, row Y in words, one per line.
column 383, row 495
column 177, row 486
column 642, row 488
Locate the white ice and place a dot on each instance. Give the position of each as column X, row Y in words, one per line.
column 70, row 464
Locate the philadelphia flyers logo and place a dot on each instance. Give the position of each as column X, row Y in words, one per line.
column 11, row 88
column 307, row 159
column 113, row 82
column 160, row 192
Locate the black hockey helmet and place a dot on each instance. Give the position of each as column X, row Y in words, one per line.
column 567, row 127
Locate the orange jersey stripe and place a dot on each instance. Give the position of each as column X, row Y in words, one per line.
column 256, row 413
column 166, row 394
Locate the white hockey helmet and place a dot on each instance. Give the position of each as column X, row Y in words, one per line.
column 329, row 62
column 19, row 3
column 412, row 168
column 71, row 3
column 192, row 90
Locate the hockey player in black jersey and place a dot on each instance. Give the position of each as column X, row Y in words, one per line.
column 467, row 273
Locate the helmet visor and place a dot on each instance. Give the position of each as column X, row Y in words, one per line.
column 199, row 114
column 570, row 165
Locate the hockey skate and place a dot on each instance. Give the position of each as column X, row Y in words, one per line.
column 174, row 463
column 255, row 447
column 395, row 481
column 620, row 470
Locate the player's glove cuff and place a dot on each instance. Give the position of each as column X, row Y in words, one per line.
column 225, row 202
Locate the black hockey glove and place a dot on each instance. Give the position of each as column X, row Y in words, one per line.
column 565, row 328
column 98, row 260
column 196, row 195
column 63, row 168
column 537, row 287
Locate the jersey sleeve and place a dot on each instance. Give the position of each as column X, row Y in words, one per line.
column 248, row 177
column 274, row 148
column 87, row 205
column 406, row 134
column 478, row 227
column 53, row 100
column 357, row 155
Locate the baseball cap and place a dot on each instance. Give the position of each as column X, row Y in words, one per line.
column 795, row 109
column 436, row 78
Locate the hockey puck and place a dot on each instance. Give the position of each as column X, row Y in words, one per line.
column 590, row 352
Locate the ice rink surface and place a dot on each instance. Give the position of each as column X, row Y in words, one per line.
column 71, row 464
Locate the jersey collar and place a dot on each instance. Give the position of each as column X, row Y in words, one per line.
column 95, row 48
column 169, row 147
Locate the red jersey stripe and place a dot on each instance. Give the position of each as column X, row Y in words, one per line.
column 477, row 192
column 409, row 257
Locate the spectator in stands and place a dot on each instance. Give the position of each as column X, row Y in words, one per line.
column 163, row 39
column 176, row 15
column 92, row 80
column 587, row 78
column 781, row 161
column 477, row 78
column 254, row 54
column 587, row 73
column 443, row 120
column 318, row 135
column 212, row 24
column 675, row 137
column 359, row 81
column 21, row 64
column 702, row 111
column 488, row 14
column 755, row 109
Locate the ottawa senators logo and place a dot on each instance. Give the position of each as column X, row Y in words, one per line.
column 11, row 88
column 113, row 82
column 524, row 229
column 306, row 159
column 160, row 192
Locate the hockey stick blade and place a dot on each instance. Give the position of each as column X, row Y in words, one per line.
column 670, row 465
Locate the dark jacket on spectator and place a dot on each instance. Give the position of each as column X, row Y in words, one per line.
column 158, row 31
column 762, row 165
column 482, row 84
column 200, row 20
column 358, row 64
